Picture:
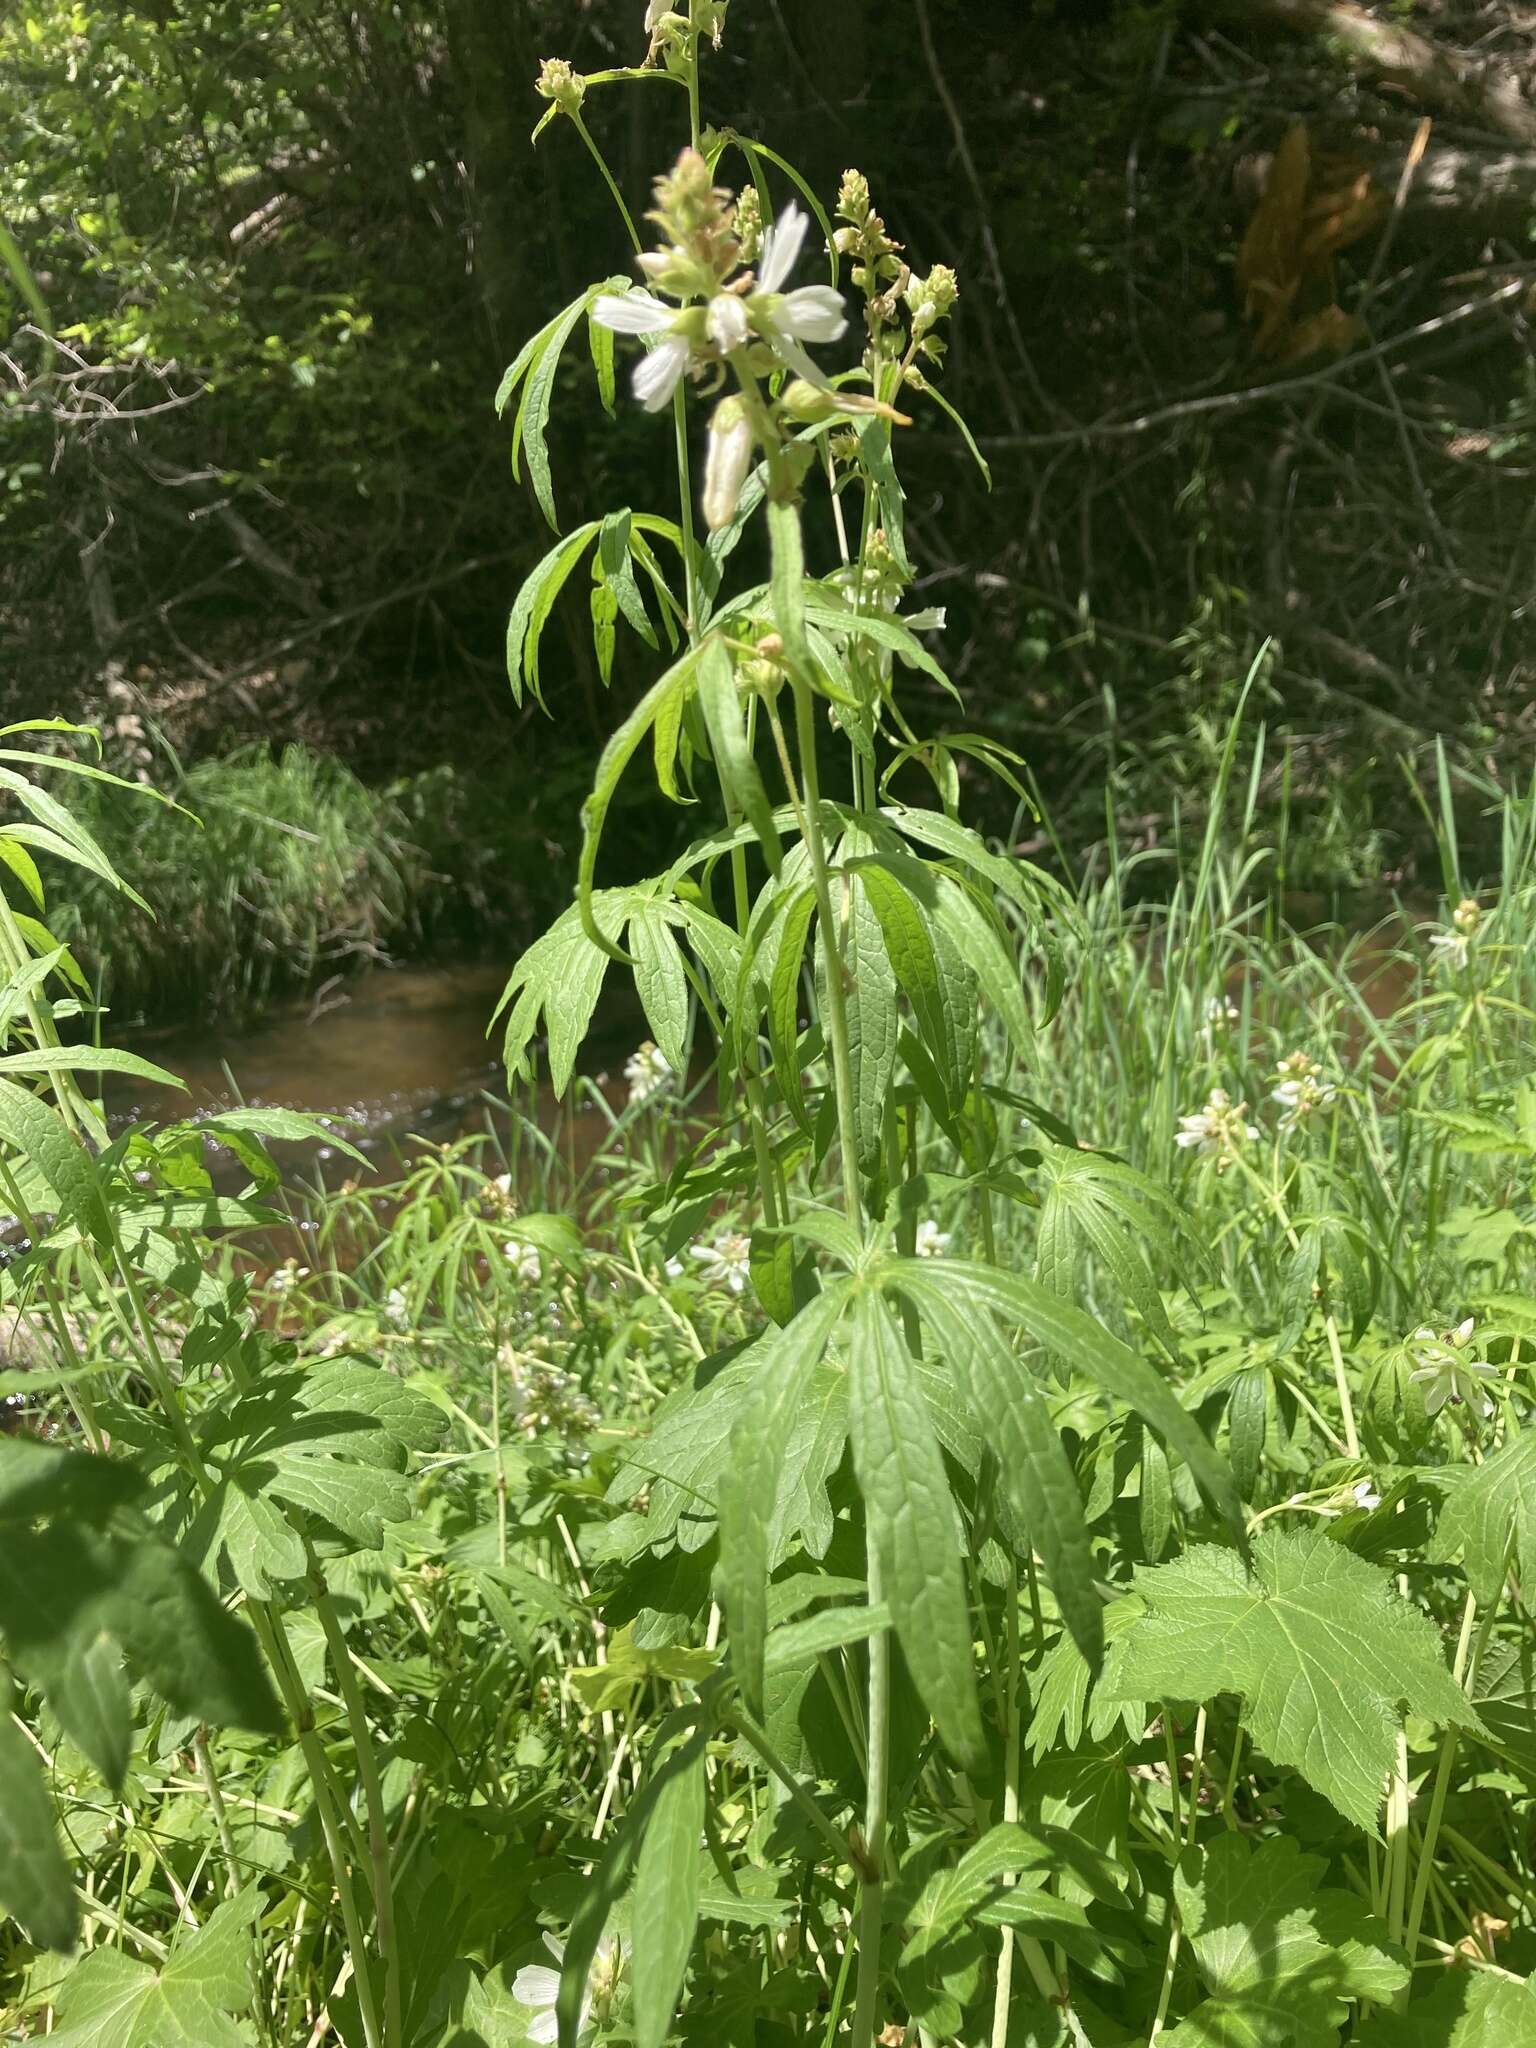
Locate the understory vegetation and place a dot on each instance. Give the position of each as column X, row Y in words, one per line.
column 982, row 1494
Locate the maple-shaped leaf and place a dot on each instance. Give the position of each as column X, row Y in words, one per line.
column 333, row 1442
column 1317, row 1644
column 1279, row 1954
column 110, row 2000
column 1489, row 1506
column 1466, row 2009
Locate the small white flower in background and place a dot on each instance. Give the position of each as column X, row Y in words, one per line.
column 538, row 1986
column 524, row 1260
column 395, row 1308
column 674, row 1269
column 726, row 1262
column 1453, row 947
column 288, row 1275
column 1218, row 1129
column 1300, row 1090
column 1221, row 1014
column 1447, row 1373
column 932, row 1243
column 1365, row 1495
column 647, row 1070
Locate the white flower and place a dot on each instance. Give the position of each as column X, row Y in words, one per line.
column 538, row 1986
column 655, row 9
column 1300, row 1091
column 640, row 312
column 1451, row 949
column 1221, row 1013
column 288, row 1275
column 524, row 1260
column 1218, row 1129
column 674, row 1269
column 1447, row 1374
column 733, row 315
column 813, row 312
column 726, row 322
column 932, row 1243
column 727, row 1261
column 647, row 1070
column 395, row 1308
column 1365, row 1495
column 727, row 458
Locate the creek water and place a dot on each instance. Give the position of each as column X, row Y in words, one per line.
column 387, row 1056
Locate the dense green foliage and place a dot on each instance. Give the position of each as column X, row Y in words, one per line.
column 286, row 251
column 986, row 1500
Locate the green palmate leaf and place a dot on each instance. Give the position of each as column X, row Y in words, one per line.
column 84, row 1583
column 784, row 998
column 615, row 758
column 797, row 1644
column 1106, row 1208
column 749, row 1485
column 912, row 1521
column 739, row 779
column 910, row 950
column 1090, row 1350
column 332, row 1442
column 666, row 1902
column 87, row 1059
column 36, row 1130
column 1466, row 2009
column 108, row 2000
column 1034, row 1474
column 613, row 554
column 661, row 984
column 1491, row 1507
column 1317, row 1645
column 35, row 1884
column 535, row 368
column 1280, row 1954
column 532, row 606
column 59, row 833
column 869, row 1004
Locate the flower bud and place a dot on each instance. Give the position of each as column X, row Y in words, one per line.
column 727, row 459
column 749, row 223
column 562, row 83
column 853, row 197
column 1467, row 916
column 931, row 298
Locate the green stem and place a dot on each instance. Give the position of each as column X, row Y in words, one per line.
column 871, row 1895
column 1012, row 1724
column 608, row 179
column 373, row 1799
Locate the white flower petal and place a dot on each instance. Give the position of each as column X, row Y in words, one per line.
column 781, row 248
column 635, row 313
column 535, row 1985
column 545, row 2029
column 656, row 376
column 726, row 322
column 788, row 350
column 813, row 313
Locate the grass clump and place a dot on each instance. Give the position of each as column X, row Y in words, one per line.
column 272, row 870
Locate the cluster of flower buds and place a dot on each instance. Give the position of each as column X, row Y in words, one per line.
column 1218, row 1131
column 1453, row 948
column 1300, row 1091
column 544, row 1400
column 563, row 86
column 876, row 258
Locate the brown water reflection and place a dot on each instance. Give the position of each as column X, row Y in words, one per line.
column 392, row 1054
